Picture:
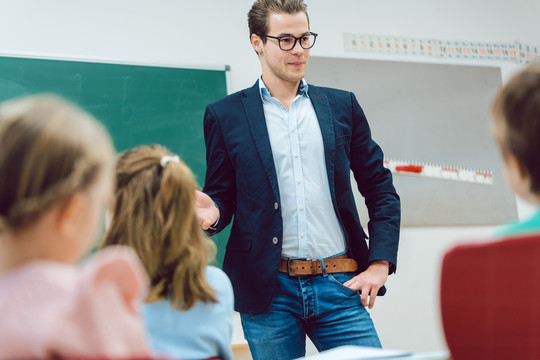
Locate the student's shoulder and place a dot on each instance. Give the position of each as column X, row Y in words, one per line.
column 100, row 297
column 116, row 266
column 216, row 274
column 529, row 226
column 41, row 282
column 218, row 280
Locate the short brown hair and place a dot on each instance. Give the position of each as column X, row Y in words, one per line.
column 153, row 212
column 49, row 150
column 261, row 9
column 516, row 121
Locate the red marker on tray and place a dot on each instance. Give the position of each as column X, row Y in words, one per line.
column 417, row 169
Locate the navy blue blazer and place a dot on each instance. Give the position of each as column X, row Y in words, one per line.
column 242, row 181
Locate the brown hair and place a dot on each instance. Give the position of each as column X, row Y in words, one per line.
column 516, row 121
column 154, row 213
column 261, row 9
column 49, row 150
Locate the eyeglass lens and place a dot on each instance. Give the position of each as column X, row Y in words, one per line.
column 288, row 42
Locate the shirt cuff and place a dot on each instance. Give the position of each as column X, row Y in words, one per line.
column 215, row 225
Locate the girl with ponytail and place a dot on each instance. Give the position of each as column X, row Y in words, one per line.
column 189, row 308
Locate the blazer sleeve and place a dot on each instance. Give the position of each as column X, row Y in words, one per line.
column 220, row 183
column 375, row 184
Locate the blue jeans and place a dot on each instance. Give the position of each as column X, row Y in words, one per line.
column 322, row 308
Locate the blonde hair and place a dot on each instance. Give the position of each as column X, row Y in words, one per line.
column 49, row 150
column 154, row 213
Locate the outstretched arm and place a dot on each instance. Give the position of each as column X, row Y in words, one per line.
column 206, row 210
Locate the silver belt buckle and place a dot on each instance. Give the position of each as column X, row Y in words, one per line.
column 289, row 264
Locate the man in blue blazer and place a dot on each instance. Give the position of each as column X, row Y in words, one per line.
column 279, row 161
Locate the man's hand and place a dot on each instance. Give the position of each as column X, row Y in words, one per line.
column 206, row 210
column 370, row 281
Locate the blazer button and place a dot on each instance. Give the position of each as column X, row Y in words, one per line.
column 276, row 205
column 275, row 240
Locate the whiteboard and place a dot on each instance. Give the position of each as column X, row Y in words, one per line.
column 429, row 113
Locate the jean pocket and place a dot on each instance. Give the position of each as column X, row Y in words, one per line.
column 339, row 279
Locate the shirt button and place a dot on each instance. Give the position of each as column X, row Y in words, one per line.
column 275, row 240
column 292, row 129
column 302, row 235
column 295, row 155
column 276, row 206
column 299, row 181
column 301, row 207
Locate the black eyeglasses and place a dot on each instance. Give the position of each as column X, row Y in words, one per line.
column 288, row 42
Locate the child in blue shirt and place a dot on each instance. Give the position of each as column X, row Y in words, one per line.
column 189, row 309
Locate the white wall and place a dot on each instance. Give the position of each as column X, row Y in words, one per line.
column 214, row 33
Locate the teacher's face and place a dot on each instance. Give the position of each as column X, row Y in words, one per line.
column 278, row 65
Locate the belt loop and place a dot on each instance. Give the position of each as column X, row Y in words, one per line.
column 323, row 268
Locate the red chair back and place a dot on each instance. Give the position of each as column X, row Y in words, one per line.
column 490, row 299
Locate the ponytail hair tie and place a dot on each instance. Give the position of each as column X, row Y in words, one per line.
column 165, row 159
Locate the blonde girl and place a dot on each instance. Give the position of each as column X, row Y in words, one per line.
column 188, row 310
column 55, row 177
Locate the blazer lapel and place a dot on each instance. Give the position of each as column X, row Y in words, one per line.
column 326, row 123
column 255, row 115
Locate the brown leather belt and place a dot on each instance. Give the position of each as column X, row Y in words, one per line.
column 302, row 267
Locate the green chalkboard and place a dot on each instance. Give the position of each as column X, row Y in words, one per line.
column 138, row 104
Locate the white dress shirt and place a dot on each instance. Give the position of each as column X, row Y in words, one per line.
column 310, row 226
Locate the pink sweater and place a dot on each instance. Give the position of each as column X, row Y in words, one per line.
column 49, row 308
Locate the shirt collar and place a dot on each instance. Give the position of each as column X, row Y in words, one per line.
column 265, row 93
